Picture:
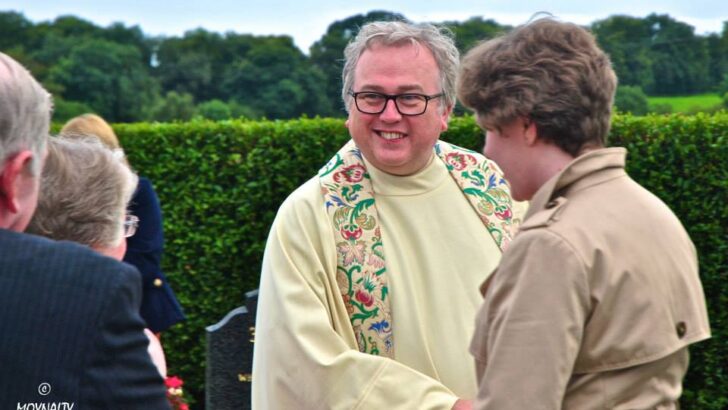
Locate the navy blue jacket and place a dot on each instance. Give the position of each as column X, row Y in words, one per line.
column 70, row 331
column 160, row 308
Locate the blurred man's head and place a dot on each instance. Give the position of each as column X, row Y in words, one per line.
column 85, row 190
column 25, row 113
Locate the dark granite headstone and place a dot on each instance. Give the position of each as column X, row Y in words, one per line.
column 251, row 302
column 230, row 359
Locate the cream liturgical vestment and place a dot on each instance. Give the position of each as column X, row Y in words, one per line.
column 438, row 252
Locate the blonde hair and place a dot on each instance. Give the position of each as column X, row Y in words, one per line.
column 91, row 124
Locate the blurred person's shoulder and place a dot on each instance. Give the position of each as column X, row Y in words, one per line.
column 67, row 263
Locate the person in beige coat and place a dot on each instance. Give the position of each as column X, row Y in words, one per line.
column 597, row 298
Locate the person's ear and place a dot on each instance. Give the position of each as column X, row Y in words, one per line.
column 530, row 131
column 12, row 177
column 445, row 117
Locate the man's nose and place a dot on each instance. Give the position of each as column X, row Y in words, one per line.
column 390, row 112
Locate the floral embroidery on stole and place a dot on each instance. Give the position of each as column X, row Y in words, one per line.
column 361, row 270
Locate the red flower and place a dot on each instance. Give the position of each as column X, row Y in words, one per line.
column 175, row 396
column 364, row 297
column 352, row 173
column 503, row 213
column 173, row 382
column 351, row 232
column 459, row 161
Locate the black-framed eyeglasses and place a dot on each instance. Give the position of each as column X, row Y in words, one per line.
column 369, row 102
column 131, row 223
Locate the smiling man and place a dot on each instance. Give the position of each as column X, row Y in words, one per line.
column 371, row 269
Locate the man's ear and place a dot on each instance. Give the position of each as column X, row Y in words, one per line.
column 12, row 177
column 445, row 117
column 530, row 131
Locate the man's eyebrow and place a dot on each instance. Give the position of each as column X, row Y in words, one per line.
column 406, row 88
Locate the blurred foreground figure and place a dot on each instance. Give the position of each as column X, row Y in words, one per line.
column 85, row 188
column 70, row 330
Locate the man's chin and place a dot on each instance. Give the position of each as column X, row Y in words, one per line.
column 391, row 166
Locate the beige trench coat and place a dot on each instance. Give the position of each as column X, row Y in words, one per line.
column 595, row 301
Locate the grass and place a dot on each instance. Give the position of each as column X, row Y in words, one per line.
column 687, row 104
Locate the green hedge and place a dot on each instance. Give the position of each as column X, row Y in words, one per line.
column 220, row 185
column 684, row 161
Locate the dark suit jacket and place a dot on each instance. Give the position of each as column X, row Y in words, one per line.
column 70, row 331
column 160, row 308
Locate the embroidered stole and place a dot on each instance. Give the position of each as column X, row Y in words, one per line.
column 361, row 269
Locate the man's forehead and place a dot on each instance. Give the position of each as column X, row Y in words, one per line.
column 416, row 54
column 407, row 45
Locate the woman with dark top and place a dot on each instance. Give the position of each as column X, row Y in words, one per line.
column 160, row 308
column 144, row 250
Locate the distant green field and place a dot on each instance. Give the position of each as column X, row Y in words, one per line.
column 687, row 104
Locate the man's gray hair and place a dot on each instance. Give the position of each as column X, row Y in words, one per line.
column 85, row 189
column 25, row 112
column 390, row 33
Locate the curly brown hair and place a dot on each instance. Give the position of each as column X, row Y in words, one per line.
column 550, row 72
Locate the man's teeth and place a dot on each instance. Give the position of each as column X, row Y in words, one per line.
column 391, row 135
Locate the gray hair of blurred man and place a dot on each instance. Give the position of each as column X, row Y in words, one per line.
column 439, row 40
column 25, row 112
column 84, row 192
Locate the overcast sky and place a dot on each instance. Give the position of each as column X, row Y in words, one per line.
column 306, row 21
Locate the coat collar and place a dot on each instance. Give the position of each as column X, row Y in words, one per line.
column 585, row 170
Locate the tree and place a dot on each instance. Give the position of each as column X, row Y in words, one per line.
column 72, row 26
column 174, row 106
column 474, row 30
column 189, row 73
column 680, row 59
column 627, row 42
column 215, row 110
column 631, row 99
column 657, row 53
column 109, row 77
column 191, row 64
column 133, row 36
column 14, row 28
column 65, row 110
column 275, row 78
column 718, row 55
